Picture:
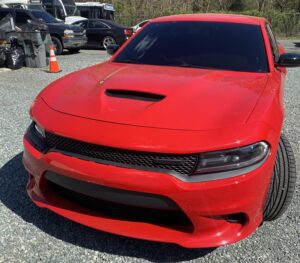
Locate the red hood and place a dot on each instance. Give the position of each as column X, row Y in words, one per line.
column 195, row 99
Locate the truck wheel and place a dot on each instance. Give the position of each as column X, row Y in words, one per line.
column 283, row 182
column 58, row 48
column 74, row 50
column 108, row 40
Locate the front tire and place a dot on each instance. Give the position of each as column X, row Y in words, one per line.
column 108, row 40
column 58, row 48
column 283, row 182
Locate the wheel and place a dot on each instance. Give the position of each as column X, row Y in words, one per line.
column 74, row 50
column 108, row 40
column 283, row 182
column 58, row 48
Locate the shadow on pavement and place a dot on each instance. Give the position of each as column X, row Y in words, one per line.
column 13, row 179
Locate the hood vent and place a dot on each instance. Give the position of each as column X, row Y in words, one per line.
column 135, row 95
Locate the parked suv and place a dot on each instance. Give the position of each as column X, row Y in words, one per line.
column 63, row 36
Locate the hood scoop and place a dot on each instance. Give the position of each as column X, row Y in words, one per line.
column 134, row 95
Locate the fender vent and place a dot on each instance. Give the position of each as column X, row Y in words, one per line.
column 135, row 95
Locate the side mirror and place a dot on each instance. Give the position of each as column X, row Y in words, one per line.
column 288, row 60
column 112, row 49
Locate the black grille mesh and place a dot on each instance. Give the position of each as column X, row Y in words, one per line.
column 183, row 164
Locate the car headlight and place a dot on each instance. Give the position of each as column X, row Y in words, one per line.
column 68, row 33
column 39, row 130
column 233, row 159
column 35, row 135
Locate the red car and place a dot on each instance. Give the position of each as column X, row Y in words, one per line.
column 177, row 138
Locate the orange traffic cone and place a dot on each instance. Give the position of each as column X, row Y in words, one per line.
column 53, row 65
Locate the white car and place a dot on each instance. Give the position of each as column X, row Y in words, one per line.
column 140, row 25
column 73, row 19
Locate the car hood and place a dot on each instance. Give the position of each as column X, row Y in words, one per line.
column 64, row 26
column 155, row 96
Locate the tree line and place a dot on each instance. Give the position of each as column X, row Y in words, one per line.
column 283, row 14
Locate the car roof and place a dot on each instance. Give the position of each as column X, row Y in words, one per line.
column 90, row 19
column 102, row 20
column 228, row 18
column 39, row 11
column 107, row 21
column 10, row 9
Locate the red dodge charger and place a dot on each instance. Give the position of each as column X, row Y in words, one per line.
column 177, row 138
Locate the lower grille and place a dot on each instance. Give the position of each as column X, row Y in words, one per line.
column 170, row 163
column 67, row 188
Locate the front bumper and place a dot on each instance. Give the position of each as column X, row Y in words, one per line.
column 208, row 205
column 76, row 42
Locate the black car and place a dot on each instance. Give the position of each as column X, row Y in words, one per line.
column 63, row 36
column 101, row 32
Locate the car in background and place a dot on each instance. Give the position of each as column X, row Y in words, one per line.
column 102, row 33
column 63, row 36
column 138, row 26
column 63, row 10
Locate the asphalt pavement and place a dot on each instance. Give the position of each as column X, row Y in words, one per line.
column 32, row 234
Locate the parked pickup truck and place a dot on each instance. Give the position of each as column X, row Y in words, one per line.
column 63, row 36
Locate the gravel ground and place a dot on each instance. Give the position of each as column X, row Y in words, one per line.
column 31, row 234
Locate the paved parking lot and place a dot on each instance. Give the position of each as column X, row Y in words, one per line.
column 31, row 234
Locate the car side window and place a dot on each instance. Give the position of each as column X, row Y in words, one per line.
column 81, row 23
column 98, row 24
column 22, row 17
column 3, row 14
column 273, row 43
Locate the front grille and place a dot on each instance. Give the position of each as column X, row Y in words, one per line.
column 183, row 164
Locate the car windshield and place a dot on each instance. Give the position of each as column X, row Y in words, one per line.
column 35, row 7
column 71, row 10
column 47, row 18
column 212, row 45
